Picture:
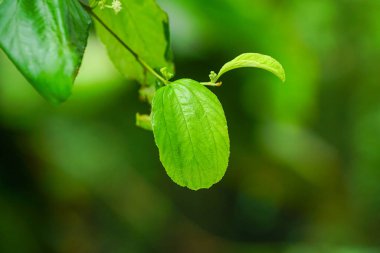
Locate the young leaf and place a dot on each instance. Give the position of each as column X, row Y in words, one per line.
column 190, row 130
column 46, row 41
column 143, row 26
column 252, row 60
column 144, row 121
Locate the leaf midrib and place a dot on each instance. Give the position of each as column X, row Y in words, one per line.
column 188, row 133
column 208, row 123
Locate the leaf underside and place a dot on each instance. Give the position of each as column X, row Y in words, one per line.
column 254, row 60
column 143, row 26
column 190, row 130
column 45, row 39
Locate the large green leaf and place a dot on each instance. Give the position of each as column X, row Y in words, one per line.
column 252, row 60
column 143, row 26
column 45, row 39
column 190, row 130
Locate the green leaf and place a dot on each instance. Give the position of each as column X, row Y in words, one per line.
column 190, row 130
column 45, row 39
column 252, row 60
column 144, row 121
column 143, row 26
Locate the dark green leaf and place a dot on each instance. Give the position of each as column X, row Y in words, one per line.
column 190, row 130
column 45, row 39
column 143, row 26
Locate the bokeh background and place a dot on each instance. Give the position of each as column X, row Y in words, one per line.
column 305, row 156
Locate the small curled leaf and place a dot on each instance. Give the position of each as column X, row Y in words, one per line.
column 252, row 60
column 143, row 121
column 213, row 76
column 146, row 93
column 166, row 73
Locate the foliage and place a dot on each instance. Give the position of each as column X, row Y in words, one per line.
column 303, row 173
column 254, row 61
column 46, row 41
column 143, row 28
column 190, row 131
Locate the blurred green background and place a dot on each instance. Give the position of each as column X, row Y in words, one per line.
column 305, row 156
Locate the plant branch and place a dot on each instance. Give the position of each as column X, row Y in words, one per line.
column 137, row 57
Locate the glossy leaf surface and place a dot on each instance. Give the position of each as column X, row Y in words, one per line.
column 253, row 60
column 190, row 130
column 45, row 39
column 143, row 26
